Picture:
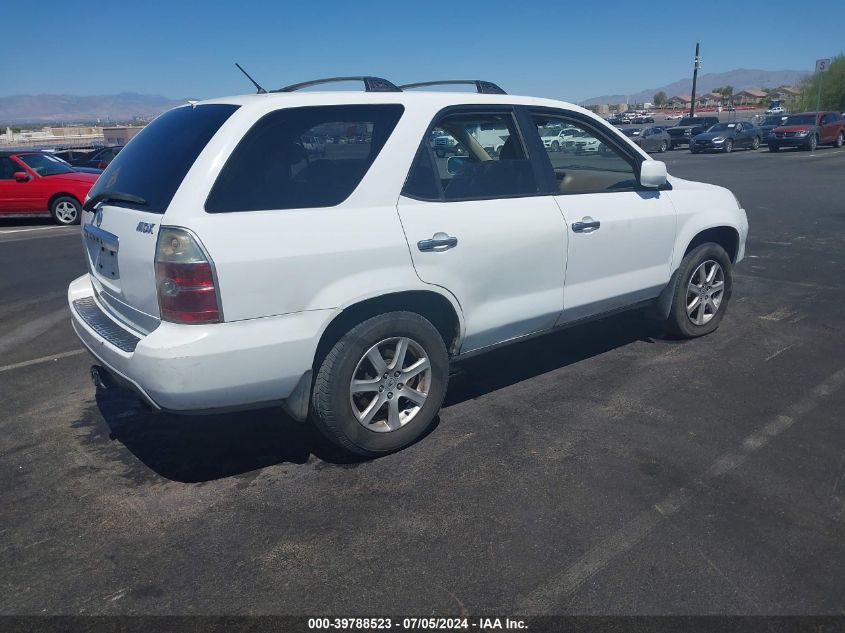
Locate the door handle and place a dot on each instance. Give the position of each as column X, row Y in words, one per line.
column 437, row 244
column 586, row 227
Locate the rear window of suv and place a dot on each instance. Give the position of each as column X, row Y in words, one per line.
column 154, row 164
column 300, row 158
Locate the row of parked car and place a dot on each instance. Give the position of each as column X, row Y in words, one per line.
column 35, row 182
column 807, row 130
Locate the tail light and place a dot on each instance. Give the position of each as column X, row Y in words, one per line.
column 102, row 165
column 187, row 291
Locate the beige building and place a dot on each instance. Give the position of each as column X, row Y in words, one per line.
column 119, row 135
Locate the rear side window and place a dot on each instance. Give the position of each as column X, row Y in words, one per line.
column 154, row 164
column 300, row 158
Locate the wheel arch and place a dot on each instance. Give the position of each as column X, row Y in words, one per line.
column 725, row 236
column 62, row 194
column 441, row 311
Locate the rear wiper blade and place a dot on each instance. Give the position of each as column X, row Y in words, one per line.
column 117, row 196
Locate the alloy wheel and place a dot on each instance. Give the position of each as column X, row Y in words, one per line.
column 66, row 212
column 705, row 292
column 390, row 384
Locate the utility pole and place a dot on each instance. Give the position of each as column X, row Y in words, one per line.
column 695, row 79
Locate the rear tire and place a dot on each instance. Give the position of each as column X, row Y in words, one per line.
column 66, row 210
column 840, row 140
column 699, row 302
column 358, row 401
column 812, row 144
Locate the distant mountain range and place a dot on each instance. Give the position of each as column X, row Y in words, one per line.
column 740, row 79
column 46, row 109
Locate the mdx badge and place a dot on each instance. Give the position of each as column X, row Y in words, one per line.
column 145, row 227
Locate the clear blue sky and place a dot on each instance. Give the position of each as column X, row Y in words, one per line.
column 570, row 50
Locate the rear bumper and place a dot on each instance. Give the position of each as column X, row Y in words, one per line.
column 201, row 368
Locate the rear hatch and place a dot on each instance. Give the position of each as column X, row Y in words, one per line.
column 126, row 207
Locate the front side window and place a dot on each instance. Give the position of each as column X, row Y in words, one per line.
column 471, row 156
column 585, row 162
column 300, row 158
column 45, row 165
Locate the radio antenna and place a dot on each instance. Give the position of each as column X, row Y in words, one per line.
column 259, row 89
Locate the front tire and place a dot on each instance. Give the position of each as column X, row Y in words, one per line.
column 66, row 210
column 812, row 144
column 729, row 146
column 663, row 147
column 703, row 285
column 755, row 144
column 380, row 387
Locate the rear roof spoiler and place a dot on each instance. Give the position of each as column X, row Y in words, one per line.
column 481, row 86
column 371, row 84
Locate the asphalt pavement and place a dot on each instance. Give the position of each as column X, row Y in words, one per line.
column 603, row 469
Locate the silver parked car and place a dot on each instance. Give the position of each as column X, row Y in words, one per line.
column 651, row 139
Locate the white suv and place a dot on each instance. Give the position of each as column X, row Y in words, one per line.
column 234, row 264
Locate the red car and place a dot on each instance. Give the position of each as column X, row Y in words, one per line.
column 33, row 184
column 809, row 130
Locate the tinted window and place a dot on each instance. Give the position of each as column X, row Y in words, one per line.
column 586, row 163
column 476, row 156
column 422, row 180
column 301, row 158
column 8, row 167
column 45, row 165
column 153, row 165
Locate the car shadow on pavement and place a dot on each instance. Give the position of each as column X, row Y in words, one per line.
column 511, row 364
column 194, row 449
column 198, row 448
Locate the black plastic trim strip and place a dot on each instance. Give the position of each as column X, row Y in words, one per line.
column 97, row 320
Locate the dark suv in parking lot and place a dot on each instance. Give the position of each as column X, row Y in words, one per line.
column 808, row 130
column 688, row 127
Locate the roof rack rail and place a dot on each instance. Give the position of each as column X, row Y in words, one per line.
column 371, row 84
column 483, row 87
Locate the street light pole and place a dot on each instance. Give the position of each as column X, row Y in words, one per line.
column 695, row 79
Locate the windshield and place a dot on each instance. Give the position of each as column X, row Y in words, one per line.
column 45, row 165
column 721, row 127
column 629, row 131
column 801, row 119
column 773, row 120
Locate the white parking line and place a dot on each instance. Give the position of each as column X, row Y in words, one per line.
column 36, row 228
column 549, row 597
column 32, row 329
column 43, row 359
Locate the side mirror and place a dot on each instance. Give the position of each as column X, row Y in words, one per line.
column 653, row 174
column 455, row 164
column 21, row 176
